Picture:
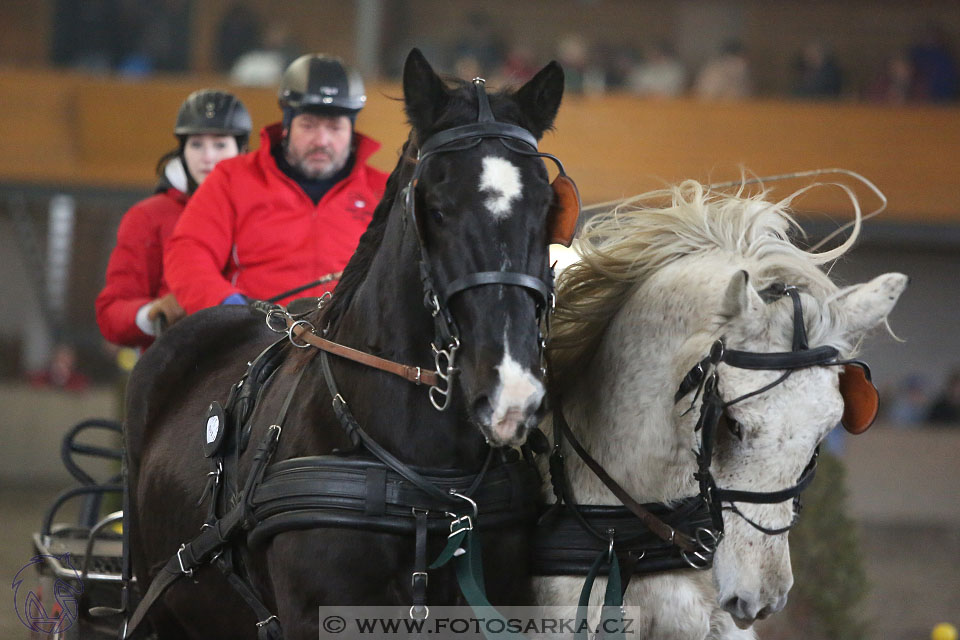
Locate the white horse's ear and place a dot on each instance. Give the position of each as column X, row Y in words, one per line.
column 740, row 298
column 868, row 304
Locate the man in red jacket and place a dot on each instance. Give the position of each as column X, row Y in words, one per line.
column 289, row 213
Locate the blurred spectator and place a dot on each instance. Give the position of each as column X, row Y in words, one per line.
column 660, row 74
column 467, row 68
column 817, row 73
column 519, row 66
column 163, row 42
column 727, row 76
column 264, row 66
column 895, row 84
column 935, row 66
column 910, row 402
column 237, row 33
column 581, row 75
column 86, row 34
column 946, row 407
column 480, row 41
column 61, row 372
column 619, row 62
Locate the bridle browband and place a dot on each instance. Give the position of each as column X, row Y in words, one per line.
column 437, row 299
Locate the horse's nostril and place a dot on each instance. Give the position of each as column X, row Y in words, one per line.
column 734, row 605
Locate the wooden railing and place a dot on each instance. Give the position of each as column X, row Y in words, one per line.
column 60, row 129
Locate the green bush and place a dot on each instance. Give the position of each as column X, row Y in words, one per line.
column 830, row 581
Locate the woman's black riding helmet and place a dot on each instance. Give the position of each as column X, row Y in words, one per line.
column 215, row 112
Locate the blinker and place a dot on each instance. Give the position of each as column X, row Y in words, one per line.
column 564, row 211
column 861, row 400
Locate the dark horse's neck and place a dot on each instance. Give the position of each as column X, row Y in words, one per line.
column 378, row 308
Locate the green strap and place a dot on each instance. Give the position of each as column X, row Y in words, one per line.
column 469, row 569
column 611, row 618
column 453, row 544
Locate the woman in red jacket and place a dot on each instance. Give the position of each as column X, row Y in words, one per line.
column 211, row 126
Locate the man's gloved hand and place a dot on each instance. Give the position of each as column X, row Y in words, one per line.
column 168, row 307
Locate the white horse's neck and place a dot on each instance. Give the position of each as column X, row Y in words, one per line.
column 634, row 435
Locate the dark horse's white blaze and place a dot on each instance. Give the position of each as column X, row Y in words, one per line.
column 501, row 179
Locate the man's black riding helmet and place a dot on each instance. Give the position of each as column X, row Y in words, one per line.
column 216, row 112
column 322, row 84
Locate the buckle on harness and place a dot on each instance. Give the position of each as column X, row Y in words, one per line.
column 264, row 623
column 459, row 525
column 462, row 523
column 186, row 572
column 419, row 574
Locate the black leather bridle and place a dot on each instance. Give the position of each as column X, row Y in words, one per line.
column 437, row 299
column 704, row 378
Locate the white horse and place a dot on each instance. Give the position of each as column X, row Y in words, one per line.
column 654, row 289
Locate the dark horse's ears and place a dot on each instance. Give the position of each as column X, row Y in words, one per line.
column 424, row 92
column 539, row 99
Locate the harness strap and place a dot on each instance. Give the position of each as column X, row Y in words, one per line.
column 562, row 546
column 215, row 536
column 535, row 286
column 771, row 497
column 612, row 600
column 191, row 555
column 661, row 529
column 268, row 626
column 356, row 432
column 419, row 578
column 477, row 130
column 781, row 360
column 417, row 375
column 464, row 548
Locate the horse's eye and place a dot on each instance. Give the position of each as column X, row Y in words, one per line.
column 437, row 215
column 735, row 428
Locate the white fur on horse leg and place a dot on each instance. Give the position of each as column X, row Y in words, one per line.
column 671, row 606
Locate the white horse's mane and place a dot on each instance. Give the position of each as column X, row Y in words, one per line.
column 621, row 249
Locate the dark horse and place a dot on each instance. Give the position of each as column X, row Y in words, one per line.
column 481, row 208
